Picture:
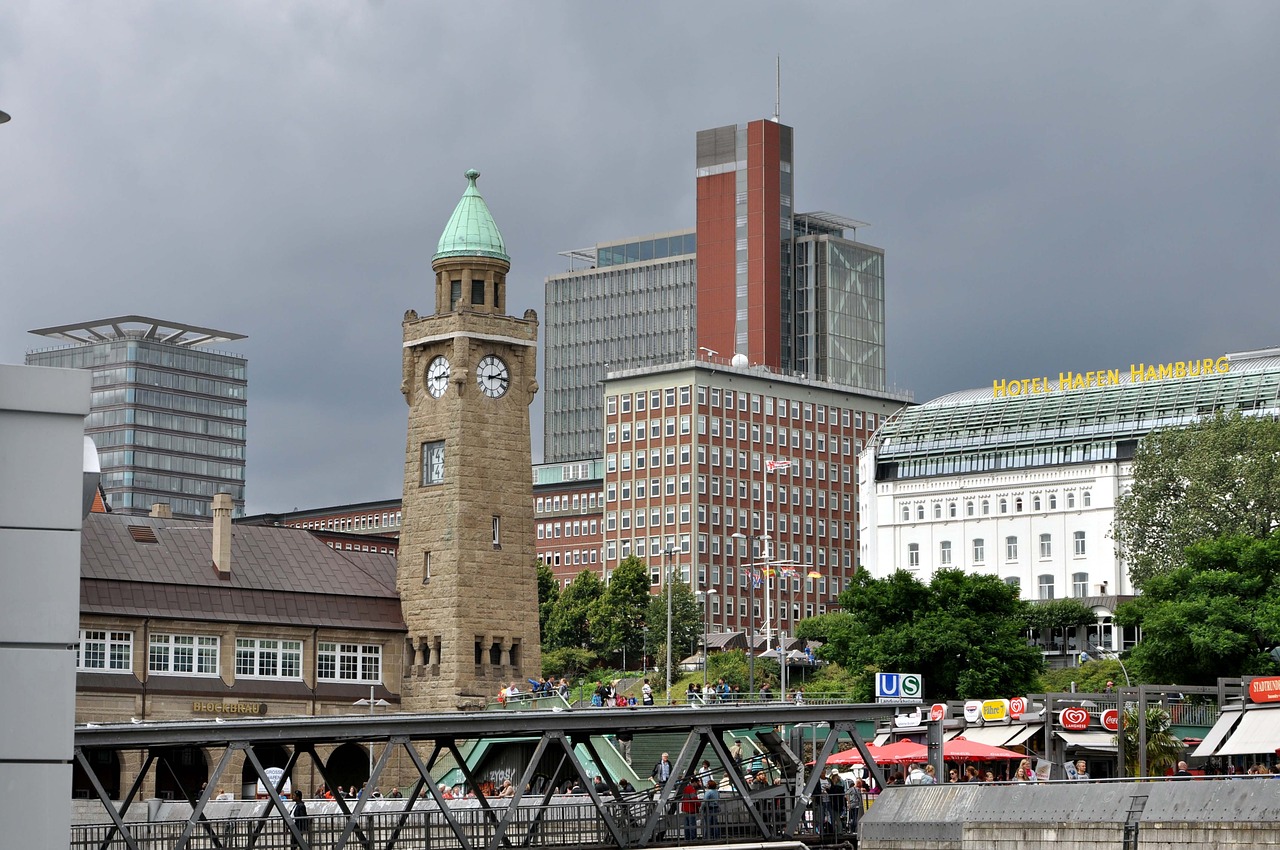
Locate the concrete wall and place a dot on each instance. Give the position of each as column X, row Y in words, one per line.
column 1168, row 815
column 41, row 481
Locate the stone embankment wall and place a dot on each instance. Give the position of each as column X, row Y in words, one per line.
column 1162, row 813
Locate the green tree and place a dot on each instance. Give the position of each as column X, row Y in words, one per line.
column 618, row 616
column 548, row 593
column 1164, row 748
column 1216, row 615
column 964, row 633
column 732, row 667
column 1218, row 477
column 569, row 661
column 569, row 624
column 1089, row 678
column 686, row 623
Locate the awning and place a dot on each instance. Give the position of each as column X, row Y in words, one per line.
column 1022, row 736
column 1227, row 721
column 1089, row 740
column 1257, row 732
column 993, row 736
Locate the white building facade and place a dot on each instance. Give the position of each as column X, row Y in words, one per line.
column 1021, row 480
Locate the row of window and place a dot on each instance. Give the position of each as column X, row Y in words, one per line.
column 572, row 558
column 566, row 502
column 1045, row 585
column 255, row 658
column 551, row 530
column 1079, row 549
column 362, row 547
column 983, row 507
column 362, row 522
column 652, row 399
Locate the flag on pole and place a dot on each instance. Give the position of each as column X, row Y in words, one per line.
column 815, row 574
column 775, row 465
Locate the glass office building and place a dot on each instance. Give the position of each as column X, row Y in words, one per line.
column 166, row 413
column 838, row 303
column 632, row 306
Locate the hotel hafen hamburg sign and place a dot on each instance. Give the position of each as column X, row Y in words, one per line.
column 1138, row 373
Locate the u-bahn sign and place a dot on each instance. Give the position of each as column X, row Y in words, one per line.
column 899, row 688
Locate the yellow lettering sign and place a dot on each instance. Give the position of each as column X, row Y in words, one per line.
column 1138, row 372
column 995, row 709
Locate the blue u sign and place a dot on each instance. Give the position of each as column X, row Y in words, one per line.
column 904, row 686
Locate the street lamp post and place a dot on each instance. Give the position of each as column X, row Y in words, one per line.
column 706, row 629
column 670, row 556
column 372, row 703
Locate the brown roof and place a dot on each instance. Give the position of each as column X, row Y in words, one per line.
column 278, row 575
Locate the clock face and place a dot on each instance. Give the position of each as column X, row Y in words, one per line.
column 438, row 376
column 492, row 376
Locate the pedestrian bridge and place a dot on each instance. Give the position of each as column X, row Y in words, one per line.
column 413, row 750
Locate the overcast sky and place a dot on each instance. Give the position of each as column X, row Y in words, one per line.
column 1057, row 186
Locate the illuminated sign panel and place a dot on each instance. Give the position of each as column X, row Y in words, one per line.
column 995, row 710
column 1265, row 689
column 1138, row 372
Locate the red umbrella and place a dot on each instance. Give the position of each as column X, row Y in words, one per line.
column 961, row 749
column 852, row 756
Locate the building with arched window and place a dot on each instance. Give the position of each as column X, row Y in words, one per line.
column 1040, row 466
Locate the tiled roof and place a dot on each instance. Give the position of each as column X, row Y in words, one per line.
column 278, row 575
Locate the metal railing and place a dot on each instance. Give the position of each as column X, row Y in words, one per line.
column 572, row 822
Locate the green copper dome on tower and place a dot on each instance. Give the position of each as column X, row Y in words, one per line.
column 471, row 231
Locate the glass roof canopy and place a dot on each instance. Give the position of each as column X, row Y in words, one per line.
column 977, row 422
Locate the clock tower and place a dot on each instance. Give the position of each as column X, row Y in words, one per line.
column 466, row 575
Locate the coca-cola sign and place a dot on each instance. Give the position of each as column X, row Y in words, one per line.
column 1111, row 720
column 937, row 711
column 1075, row 719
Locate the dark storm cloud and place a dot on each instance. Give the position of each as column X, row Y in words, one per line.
column 1058, row 187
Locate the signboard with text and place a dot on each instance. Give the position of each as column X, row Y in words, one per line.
column 995, row 710
column 1265, row 689
column 899, row 687
column 1111, row 720
column 1017, row 706
column 1075, row 719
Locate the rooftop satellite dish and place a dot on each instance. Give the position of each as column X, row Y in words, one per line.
column 739, row 360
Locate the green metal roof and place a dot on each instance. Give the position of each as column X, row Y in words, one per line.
column 471, row 231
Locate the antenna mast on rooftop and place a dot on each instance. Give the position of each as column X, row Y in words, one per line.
column 777, row 97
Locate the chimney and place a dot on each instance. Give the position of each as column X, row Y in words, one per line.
column 222, row 534
column 161, row 510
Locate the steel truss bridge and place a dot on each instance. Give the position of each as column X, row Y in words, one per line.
column 609, row 818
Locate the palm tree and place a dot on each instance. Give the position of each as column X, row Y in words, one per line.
column 1163, row 747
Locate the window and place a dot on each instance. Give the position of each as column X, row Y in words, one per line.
column 103, row 650
column 1079, row 585
column 433, row 463
column 349, row 662
column 919, row 511
column 183, row 654
column 1046, row 586
column 1014, row 582
column 260, row 658
column 497, row 531
column 477, row 291
column 944, row 552
column 1053, row 501
column 1071, row 500
column 1011, row 548
column 951, row 510
column 986, row 507
column 913, row 555
column 1004, row 506
column 1035, row 503
column 979, row 550
column 1046, row 546
column 1086, row 498
column 937, row 511
column 968, row 508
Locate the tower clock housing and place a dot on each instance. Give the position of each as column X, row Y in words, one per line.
column 466, row 575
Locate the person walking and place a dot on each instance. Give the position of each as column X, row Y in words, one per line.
column 661, row 771
column 300, row 820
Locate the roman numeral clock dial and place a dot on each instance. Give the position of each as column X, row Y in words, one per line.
column 492, row 376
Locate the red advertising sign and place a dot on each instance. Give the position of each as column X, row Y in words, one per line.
column 938, row 711
column 1017, row 705
column 1111, row 720
column 1265, row 689
column 1075, row 719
